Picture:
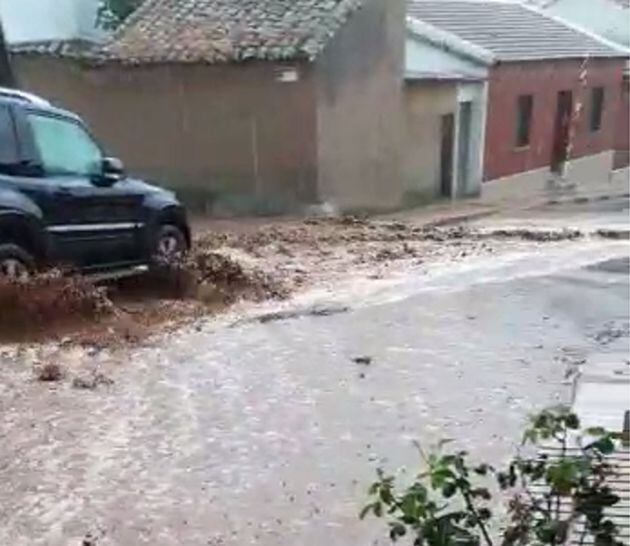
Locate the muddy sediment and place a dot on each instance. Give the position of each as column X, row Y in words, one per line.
column 226, row 267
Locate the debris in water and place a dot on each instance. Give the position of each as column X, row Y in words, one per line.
column 92, row 382
column 363, row 360
column 49, row 372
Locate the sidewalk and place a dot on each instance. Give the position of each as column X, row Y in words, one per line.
column 602, row 391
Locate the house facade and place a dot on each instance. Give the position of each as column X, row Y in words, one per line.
column 445, row 111
column 554, row 94
column 241, row 110
column 611, row 20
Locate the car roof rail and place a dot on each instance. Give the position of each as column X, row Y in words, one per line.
column 16, row 94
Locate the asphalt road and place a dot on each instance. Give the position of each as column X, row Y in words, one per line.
column 269, row 433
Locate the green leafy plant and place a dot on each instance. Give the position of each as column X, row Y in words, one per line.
column 448, row 503
column 112, row 13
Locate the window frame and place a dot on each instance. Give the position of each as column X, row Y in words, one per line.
column 596, row 117
column 28, row 112
column 523, row 126
column 14, row 137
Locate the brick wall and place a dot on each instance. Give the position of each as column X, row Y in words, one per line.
column 544, row 79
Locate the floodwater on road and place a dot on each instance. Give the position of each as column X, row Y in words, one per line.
column 269, row 433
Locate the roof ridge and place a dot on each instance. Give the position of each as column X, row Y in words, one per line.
column 578, row 28
column 513, row 31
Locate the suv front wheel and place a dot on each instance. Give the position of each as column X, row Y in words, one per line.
column 170, row 244
column 15, row 262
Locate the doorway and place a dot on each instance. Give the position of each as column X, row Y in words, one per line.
column 463, row 146
column 446, row 155
column 561, row 130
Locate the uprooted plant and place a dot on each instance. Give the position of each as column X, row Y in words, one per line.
column 555, row 497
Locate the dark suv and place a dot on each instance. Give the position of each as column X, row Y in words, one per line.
column 63, row 201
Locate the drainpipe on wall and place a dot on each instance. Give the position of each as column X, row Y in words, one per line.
column 255, row 158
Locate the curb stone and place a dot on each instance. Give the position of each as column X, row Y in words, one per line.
column 588, row 199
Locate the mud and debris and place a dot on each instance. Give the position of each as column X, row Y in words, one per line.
column 92, row 381
column 49, row 372
column 228, row 266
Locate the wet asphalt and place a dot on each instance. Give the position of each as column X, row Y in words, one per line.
column 269, row 433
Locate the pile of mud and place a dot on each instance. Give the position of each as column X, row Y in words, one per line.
column 215, row 278
column 50, row 298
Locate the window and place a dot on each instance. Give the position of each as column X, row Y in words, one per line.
column 524, row 119
column 8, row 144
column 597, row 108
column 64, row 146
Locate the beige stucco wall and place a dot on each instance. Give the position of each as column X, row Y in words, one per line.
column 425, row 103
column 227, row 137
column 586, row 176
column 359, row 115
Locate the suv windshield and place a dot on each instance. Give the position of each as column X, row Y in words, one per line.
column 64, row 146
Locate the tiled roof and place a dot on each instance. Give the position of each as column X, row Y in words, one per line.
column 228, row 30
column 511, row 31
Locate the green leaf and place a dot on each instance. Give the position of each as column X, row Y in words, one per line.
column 365, row 511
column 448, row 490
column 562, row 476
column 604, row 445
column 572, row 421
column 439, row 476
column 385, row 495
column 377, row 508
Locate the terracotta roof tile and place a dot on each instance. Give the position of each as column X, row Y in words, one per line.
column 228, row 30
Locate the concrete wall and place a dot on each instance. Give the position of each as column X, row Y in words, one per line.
column 37, row 20
column 543, row 80
column 359, row 79
column 476, row 93
column 425, row 103
column 227, row 137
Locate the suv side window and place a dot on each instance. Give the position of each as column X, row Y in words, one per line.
column 8, row 141
column 65, row 147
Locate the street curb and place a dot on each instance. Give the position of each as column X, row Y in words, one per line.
column 460, row 218
column 581, row 199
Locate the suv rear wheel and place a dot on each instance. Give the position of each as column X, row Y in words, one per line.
column 15, row 262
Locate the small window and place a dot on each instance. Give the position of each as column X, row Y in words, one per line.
column 597, row 108
column 525, row 107
column 64, row 146
column 8, row 143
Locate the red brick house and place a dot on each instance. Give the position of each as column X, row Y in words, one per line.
column 554, row 93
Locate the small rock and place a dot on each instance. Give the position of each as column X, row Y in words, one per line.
column 91, row 383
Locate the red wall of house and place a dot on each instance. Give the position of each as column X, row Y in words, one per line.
column 544, row 79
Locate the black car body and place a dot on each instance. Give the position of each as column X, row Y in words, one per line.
column 63, row 201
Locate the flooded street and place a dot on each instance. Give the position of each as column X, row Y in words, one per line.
column 268, row 432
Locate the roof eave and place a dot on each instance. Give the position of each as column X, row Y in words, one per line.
column 449, row 42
